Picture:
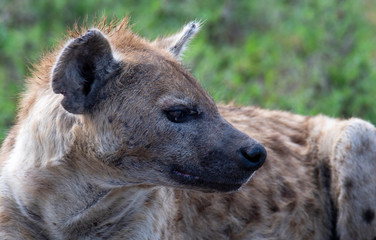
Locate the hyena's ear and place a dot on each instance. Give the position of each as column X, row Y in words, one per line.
column 177, row 42
column 81, row 70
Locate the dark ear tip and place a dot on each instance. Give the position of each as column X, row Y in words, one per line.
column 90, row 34
column 193, row 25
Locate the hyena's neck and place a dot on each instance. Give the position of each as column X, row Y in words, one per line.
column 41, row 140
column 64, row 205
column 44, row 134
column 126, row 211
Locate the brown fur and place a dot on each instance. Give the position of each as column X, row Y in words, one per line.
column 99, row 174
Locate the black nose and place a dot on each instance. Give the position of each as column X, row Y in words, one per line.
column 253, row 156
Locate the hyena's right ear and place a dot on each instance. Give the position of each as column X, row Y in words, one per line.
column 81, row 70
column 177, row 42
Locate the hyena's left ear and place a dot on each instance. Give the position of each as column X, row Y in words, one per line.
column 81, row 70
column 177, row 42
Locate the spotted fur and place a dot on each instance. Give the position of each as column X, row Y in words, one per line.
column 103, row 161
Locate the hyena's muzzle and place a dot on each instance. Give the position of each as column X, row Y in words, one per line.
column 227, row 159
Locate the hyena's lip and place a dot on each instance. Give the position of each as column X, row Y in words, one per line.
column 185, row 175
column 204, row 182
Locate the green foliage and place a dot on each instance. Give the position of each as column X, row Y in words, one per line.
column 305, row 56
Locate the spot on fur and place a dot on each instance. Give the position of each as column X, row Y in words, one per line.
column 291, row 206
column 368, row 215
column 273, row 208
column 255, row 213
column 286, row 190
column 110, row 119
column 299, row 139
column 348, row 184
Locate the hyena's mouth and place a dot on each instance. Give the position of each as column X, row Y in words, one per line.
column 204, row 182
column 185, row 175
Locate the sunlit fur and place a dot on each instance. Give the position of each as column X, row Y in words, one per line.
column 318, row 181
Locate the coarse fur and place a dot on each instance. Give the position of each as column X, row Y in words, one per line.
column 114, row 139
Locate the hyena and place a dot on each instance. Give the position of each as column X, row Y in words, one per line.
column 115, row 139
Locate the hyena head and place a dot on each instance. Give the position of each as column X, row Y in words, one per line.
column 147, row 116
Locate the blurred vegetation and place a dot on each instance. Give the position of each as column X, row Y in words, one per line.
column 305, row 56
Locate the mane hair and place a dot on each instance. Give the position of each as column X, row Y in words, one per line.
column 104, row 24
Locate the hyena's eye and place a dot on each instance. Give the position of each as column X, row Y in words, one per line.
column 180, row 114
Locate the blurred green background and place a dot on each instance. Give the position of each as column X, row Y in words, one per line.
column 305, row 56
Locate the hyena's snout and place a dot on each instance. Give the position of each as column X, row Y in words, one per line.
column 252, row 157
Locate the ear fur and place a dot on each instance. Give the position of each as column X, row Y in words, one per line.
column 177, row 43
column 81, row 69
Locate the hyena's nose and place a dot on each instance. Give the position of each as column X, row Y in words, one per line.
column 253, row 156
